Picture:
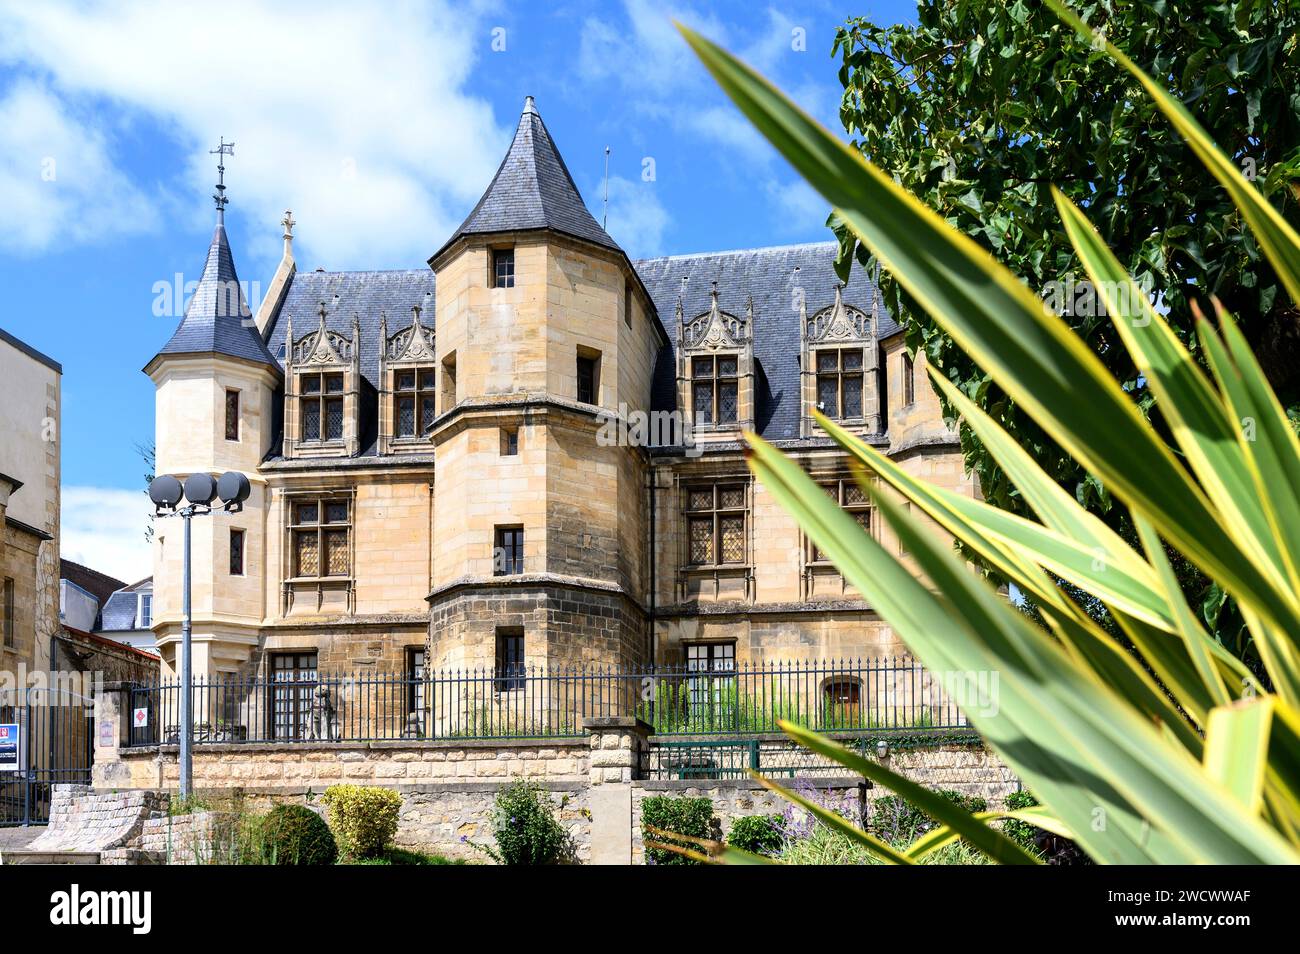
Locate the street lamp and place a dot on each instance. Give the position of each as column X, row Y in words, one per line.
column 199, row 491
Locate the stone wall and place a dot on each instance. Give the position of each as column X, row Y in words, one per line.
column 448, row 786
column 293, row 768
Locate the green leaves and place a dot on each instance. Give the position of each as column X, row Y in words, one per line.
column 1114, row 754
column 917, row 105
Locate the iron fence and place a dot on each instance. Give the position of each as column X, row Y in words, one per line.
column 849, row 696
column 48, row 739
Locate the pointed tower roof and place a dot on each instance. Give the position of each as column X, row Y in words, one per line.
column 217, row 319
column 532, row 190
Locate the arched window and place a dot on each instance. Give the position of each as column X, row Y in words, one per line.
column 842, row 703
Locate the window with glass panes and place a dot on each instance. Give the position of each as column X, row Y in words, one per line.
column 586, row 380
column 508, row 552
column 715, row 389
column 236, row 552
column 503, row 268
column 715, row 524
column 293, row 683
column 839, row 382
column 909, row 381
column 852, row 499
column 510, row 659
column 232, row 414
column 712, row 667
column 414, row 392
column 711, row 657
column 321, row 403
column 320, row 532
column 415, row 680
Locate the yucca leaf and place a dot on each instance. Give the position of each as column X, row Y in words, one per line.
column 1236, row 749
column 1052, row 724
column 1279, row 241
column 1112, row 665
column 1169, row 658
column 988, row 840
column 1033, row 355
column 1068, row 778
column 1262, row 427
column 1200, row 422
column 882, row 850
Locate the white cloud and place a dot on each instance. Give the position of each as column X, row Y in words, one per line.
column 637, row 219
column 103, row 528
column 57, row 180
column 669, row 85
column 354, row 115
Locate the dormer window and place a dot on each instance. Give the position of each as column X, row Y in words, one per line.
column 839, row 383
column 408, row 383
column 144, row 611
column 840, row 368
column 503, row 268
column 322, row 371
column 715, row 369
column 321, row 406
column 715, row 389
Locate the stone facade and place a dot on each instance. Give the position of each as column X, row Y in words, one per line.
column 29, row 506
column 471, row 430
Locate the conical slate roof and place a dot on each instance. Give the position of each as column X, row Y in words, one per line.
column 532, row 190
column 217, row 319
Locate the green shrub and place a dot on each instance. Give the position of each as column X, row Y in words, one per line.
column 525, row 827
column 683, row 816
column 364, row 818
column 295, row 835
column 760, row 834
column 1021, row 832
column 899, row 822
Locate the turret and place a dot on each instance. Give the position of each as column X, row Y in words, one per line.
column 214, row 381
column 544, row 333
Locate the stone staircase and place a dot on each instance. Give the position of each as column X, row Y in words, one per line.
column 89, row 828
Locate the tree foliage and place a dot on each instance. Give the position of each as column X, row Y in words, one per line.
column 980, row 108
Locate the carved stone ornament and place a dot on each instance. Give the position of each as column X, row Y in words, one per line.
column 715, row 329
column 411, row 344
column 322, row 346
column 839, row 322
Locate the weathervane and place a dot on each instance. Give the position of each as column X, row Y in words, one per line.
column 223, row 149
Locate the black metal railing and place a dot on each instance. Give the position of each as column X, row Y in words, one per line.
column 853, row 696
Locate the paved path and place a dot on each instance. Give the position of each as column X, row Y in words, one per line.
column 12, row 838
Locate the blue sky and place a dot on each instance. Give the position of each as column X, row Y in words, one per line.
column 379, row 125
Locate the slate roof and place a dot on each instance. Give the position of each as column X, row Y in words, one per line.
column 368, row 295
column 119, row 613
column 775, row 277
column 532, row 190
column 217, row 319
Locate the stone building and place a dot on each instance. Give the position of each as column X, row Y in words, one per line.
column 29, row 506
column 527, row 451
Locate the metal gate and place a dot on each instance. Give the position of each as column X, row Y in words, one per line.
column 55, row 744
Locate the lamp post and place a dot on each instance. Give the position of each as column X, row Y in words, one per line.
column 199, row 491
